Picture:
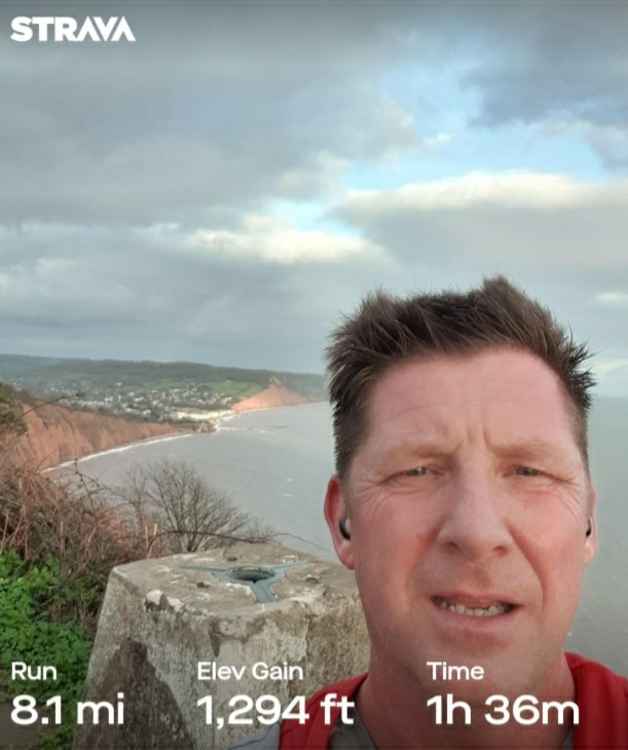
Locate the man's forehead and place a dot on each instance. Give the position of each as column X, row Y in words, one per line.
column 511, row 391
column 491, row 370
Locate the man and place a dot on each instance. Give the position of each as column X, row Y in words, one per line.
column 463, row 502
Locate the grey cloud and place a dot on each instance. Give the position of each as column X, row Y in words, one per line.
column 610, row 142
column 215, row 106
column 567, row 255
column 134, row 294
column 564, row 62
column 218, row 108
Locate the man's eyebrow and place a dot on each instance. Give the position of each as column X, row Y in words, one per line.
column 416, row 444
column 533, row 448
column 529, row 447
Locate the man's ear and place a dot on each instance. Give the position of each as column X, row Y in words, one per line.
column 336, row 515
column 591, row 541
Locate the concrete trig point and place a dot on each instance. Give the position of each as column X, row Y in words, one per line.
column 227, row 609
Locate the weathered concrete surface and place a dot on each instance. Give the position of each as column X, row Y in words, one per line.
column 160, row 618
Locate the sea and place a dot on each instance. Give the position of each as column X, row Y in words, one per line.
column 275, row 465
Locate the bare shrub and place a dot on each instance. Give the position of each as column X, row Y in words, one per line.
column 84, row 528
column 11, row 418
column 42, row 520
column 192, row 515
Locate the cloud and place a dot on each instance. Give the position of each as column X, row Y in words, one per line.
column 566, row 64
column 610, row 142
column 561, row 239
column 611, row 374
column 140, row 183
column 224, row 292
column 520, row 219
column 612, row 299
column 182, row 126
column 186, row 126
column 605, row 366
column 510, row 189
column 271, row 239
column 266, row 298
column 566, row 58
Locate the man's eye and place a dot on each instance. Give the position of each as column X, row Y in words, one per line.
column 416, row 471
column 527, row 471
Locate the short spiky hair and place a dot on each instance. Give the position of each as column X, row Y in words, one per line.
column 388, row 329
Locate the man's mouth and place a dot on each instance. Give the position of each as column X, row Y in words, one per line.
column 465, row 606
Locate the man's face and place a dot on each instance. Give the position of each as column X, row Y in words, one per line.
column 469, row 493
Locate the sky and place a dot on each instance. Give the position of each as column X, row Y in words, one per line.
column 226, row 187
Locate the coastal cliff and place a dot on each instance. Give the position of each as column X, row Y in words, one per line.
column 275, row 395
column 55, row 434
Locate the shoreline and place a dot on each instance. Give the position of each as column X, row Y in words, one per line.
column 124, row 447
column 167, row 437
column 224, row 416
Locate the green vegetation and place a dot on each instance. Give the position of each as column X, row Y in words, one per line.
column 238, row 389
column 31, row 598
column 72, row 372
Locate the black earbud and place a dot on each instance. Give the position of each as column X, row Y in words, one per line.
column 342, row 525
column 589, row 528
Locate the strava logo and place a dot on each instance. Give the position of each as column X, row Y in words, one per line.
column 68, row 29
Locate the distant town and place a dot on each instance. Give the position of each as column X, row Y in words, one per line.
column 186, row 402
column 152, row 391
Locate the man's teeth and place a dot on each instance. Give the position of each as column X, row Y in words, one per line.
column 495, row 609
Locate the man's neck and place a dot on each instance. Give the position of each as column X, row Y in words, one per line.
column 395, row 713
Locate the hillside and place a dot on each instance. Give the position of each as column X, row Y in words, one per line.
column 274, row 395
column 153, row 391
column 56, row 434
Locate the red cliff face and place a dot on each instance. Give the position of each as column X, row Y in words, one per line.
column 274, row 395
column 56, row 434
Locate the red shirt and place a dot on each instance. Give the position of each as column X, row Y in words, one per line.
column 601, row 695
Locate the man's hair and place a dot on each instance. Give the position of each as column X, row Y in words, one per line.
column 388, row 329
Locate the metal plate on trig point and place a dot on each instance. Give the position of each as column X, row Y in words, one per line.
column 259, row 578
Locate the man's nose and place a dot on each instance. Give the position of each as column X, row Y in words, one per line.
column 474, row 521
